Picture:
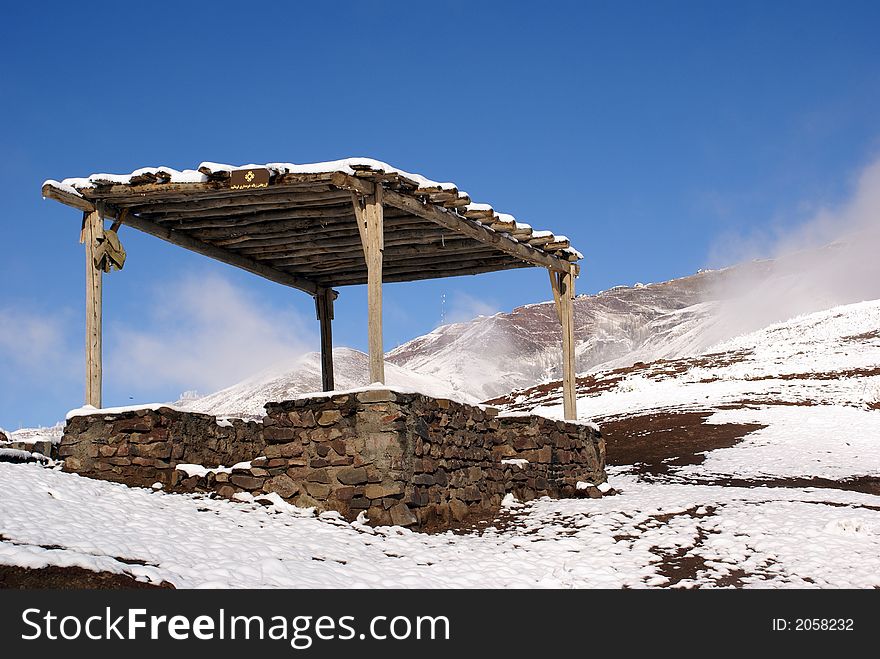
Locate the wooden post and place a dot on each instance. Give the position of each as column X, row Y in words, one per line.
column 324, row 305
column 93, row 228
column 369, row 216
column 563, row 296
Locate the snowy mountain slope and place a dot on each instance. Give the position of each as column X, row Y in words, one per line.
column 493, row 355
column 621, row 326
column 811, row 387
column 285, row 381
column 828, row 357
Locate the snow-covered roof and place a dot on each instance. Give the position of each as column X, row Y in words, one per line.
column 311, row 202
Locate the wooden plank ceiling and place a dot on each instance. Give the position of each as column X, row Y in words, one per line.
column 303, row 224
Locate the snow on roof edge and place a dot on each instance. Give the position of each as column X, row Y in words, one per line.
column 349, row 166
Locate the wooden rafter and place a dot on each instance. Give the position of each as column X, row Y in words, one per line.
column 455, row 222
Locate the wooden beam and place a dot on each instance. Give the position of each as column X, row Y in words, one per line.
column 67, row 198
column 160, row 190
column 93, row 230
column 397, row 256
column 324, row 306
column 158, row 197
column 318, row 239
column 297, row 244
column 183, row 240
column 455, row 222
column 370, row 222
column 274, row 223
column 388, row 275
column 272, row 197
column 358, row 269
column 240, row 216
column 563, row 296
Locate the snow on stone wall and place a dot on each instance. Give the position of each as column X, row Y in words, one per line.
column 404, row 459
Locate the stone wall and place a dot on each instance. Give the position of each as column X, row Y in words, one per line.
column 404, row 459
column 40, row 447
column 142, row 447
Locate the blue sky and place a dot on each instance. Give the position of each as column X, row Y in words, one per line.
column 660, row 136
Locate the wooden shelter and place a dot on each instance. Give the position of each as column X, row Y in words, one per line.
column 316, row 228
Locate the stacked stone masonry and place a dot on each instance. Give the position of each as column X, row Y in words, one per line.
column 403, row 459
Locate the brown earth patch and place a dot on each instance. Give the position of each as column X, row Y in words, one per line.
column 829, row 375
column 586, row 384
column 681, row 564
column 859, row 338
column 685, row 564
column 671, row 367
column 68, row 578
column 653, row 443
column 656, row 441
column 597, row 383
column 863, row 484
column 758, row 403
column 814, row 375
column 502, row 520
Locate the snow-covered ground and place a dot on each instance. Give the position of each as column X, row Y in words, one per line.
column 811, row 384
column 762, row 537
column 813, row 381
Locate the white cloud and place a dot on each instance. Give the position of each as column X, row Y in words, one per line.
column 203, row 333
column 466, row 307
column 36, row 346
column 829, row 260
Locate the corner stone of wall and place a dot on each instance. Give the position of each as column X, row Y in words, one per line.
column 404, row 459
